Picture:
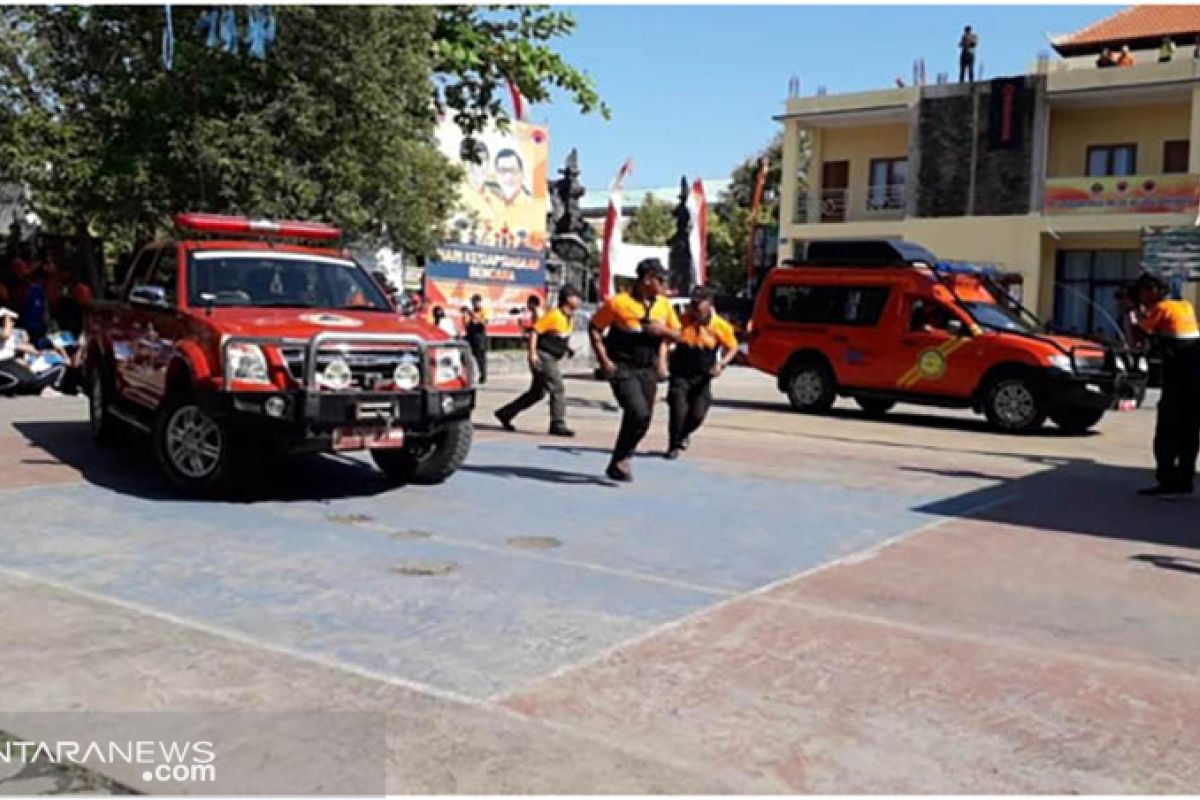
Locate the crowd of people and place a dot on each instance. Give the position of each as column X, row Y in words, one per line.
column 41, row 311
column 1124, row 57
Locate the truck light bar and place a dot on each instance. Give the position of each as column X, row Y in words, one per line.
column 244, row 226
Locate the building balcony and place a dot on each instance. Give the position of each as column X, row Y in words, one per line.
column 862, row 204
column 1128, row 194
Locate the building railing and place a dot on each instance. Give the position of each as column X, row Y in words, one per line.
column 1122, row 194
column 851, row 204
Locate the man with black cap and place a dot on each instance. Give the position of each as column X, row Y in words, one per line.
column 694, row 363
column 640, row 326
column 1172, row 324
column 549, row 343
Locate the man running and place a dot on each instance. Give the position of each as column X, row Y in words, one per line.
column 694, row 363
column 640, row 325
column 549, row 343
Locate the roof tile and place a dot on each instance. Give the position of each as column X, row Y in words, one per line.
column 1136, row 22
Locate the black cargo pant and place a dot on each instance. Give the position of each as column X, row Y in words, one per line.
column 634, row 389
column 1177, row 431
column 688, row 398
column 16, row 378
column 479, row 349
column 547, row 379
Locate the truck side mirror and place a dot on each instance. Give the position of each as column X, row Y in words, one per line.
column 149, row 295
column 955, row 328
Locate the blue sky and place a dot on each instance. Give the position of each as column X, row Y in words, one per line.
column 693, row 88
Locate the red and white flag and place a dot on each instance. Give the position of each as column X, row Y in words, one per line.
column 698, row 238
column 612, row 231
column 518, row 101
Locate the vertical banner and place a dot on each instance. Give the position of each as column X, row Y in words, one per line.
column 612, row 231
column 756, row 204
column 698, row 238
column 1006, row 114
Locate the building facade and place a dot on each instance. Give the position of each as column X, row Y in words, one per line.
column 1060, row 175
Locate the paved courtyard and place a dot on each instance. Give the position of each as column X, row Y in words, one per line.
column 800, row 604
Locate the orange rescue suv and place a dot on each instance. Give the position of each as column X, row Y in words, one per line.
column 881, row 321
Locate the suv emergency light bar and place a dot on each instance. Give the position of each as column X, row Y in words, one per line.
column 244, row 226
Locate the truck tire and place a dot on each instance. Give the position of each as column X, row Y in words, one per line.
column 1076, row 420
column 874, row 407
column 1013, row 403
column 427, row 460
column 810, row 387
column 106, row 429
column 193, row 450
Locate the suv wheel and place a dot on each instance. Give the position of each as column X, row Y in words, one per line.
column 193, row 449
column 810, row 387
column 428, row 459
column 1076, row 420
column 1014, row 404
column 106, row 429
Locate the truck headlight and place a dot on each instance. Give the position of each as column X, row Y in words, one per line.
column 337, row 375
column 407, row 375
column 1060, row 361
column 246, row 362
column 447, row 364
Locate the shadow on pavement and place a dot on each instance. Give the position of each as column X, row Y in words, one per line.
column 131, row 469
column 1188, row 565
column 579, row 450
column 909, row 418
column 539, row 474
column 1081, row 497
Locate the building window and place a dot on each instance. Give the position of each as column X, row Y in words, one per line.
column 1175, row 156
column 887, row 179
column 1111, row 159
column 1085, row 287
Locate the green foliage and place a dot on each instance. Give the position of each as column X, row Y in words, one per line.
column 335, row 124
column 651, row 224
column 478, row 49
column 729, row 219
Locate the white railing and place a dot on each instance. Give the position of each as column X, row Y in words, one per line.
column 851, row 205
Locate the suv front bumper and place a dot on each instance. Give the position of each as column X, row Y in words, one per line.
column 1095, row 392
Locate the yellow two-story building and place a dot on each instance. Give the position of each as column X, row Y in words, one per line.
column 1071, row 175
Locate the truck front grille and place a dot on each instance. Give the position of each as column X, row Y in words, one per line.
column 371, row 368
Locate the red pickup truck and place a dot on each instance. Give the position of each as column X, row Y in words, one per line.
column 240, row 337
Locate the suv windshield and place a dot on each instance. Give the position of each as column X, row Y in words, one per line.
column 281, row 280
column 996, row 317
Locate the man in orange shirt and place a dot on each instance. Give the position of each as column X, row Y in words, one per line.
column 694, row 363
column 1172, row 324
column 549, row 343
column 630, row 335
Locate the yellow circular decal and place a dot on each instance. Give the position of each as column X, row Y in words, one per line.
column 931, row 364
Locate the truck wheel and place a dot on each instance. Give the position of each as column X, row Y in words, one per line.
column 1076, row 420
column 874, row 407
column 428, row 459
column 1014, row 404
column 106, row 429
column 193, row 449
column 810, row 387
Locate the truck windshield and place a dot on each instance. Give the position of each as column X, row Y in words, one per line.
column 997, row 317
column 281, row 280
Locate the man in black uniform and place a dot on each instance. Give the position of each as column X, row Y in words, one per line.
column 630, row 335
column 707, row 344
column 475, row 330
column 549, row 343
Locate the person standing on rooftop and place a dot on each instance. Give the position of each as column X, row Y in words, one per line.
column 966, row 54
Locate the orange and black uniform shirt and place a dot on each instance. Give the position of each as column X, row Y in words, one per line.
column 696, row 351
column 624, row 317
column 1173, row 324
column 553, row 330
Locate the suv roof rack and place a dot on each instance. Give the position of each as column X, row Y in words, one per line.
column 863, row 253
column 223, row 225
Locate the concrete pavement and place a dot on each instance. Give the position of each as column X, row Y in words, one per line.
column 801, row 604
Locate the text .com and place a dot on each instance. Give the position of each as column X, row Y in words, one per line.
column 162, row 762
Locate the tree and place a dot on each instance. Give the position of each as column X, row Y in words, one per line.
column 729, row 219
column 651, row 224
column 336, row 123
column 478, row 50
